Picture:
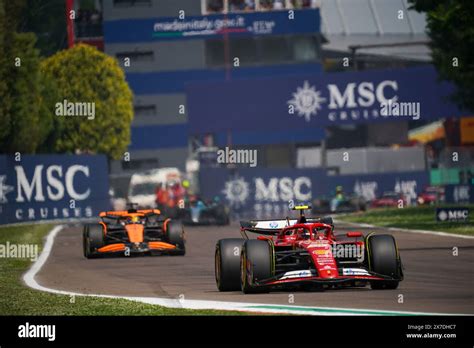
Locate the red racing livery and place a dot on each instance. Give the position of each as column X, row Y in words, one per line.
column 305, row 252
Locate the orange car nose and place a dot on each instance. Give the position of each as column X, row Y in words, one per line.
column 135, row 232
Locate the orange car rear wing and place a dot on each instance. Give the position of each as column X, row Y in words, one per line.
column 117, row 213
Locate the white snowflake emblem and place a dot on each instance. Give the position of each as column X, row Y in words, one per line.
column 236, row 191
column 4, row 189
column 307, row 101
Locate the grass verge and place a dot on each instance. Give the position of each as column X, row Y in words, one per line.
column 416, row 218
column 18, row 299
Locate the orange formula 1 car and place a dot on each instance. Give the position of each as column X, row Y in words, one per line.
column 133, row 232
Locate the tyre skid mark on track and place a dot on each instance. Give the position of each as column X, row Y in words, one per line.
column 29, row 279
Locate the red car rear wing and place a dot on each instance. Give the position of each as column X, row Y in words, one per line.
column 273, row 227
column 268, row 227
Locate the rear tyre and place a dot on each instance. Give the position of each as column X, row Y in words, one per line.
column 256, row 263
column 93, row 239
column 227, row 264
column 175, row 236
column 222, row 216
column 384, row 259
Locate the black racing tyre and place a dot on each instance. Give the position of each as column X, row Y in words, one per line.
column 171, row 212
column 93, row 239
column 256, row 263
column 383, row 259
column 222, row 216
column 175, row 236
column 227, row 264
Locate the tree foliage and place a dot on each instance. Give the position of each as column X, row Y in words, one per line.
column 450, row 25
column 82, row 74
column 47, row 19
column 24, row 116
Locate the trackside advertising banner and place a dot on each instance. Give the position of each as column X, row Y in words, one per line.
column 212, row 26
column 319, row 100
column 265, row 193
column 459, row 194
column 48, row 187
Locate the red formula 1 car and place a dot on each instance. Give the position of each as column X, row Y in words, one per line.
column 305, row 252
column 133, row 232
column 389, row 200
column 430, row 195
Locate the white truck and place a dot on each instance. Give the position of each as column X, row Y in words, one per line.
column 142, row 188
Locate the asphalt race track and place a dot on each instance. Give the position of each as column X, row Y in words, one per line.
column 435, row 280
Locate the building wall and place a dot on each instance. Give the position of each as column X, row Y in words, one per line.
column 166, row 55
column 152, row 8
column 167, row 109
column 149, row 159
column 160, row 70
column 157, row 115
column 376, row 160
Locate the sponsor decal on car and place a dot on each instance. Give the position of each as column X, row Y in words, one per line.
column 298, row 274
column 275, row 224
column 354, row 271
column 321, row 252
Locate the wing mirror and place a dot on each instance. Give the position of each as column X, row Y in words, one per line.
column 354, row 234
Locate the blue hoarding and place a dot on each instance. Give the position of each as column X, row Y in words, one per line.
column 459, row 194
column 212, row 26
column 263, row 193
column 319, row 100
column 46, row 187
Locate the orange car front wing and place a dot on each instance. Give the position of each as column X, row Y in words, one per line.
column 117, row 247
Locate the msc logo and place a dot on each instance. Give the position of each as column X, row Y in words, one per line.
column 452, row 214
column 4, row 189
column 237, row 191
column 307, row 101
column 342, row 104
column 366, row 189
column 59, row 182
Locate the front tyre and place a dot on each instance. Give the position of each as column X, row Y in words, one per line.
column 256, row 264
column 93, row 239
column 384, row 259
column 175, row 236
column 227, row 264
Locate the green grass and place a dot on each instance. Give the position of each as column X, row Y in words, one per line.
column 18, row 299
column 417, row 218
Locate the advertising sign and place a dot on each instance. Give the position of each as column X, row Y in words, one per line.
column 319, row 100
column 264, row 193
column 457, row 214
column 48, row 187
column 212, row 26
column 459, row 194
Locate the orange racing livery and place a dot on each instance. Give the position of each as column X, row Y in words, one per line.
column 133, row 231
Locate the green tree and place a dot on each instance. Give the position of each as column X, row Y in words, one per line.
column 24, row 117
column 31, row 121
column 82, row 74
column 47, row 19
column 5, row 99
column 450, row 25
